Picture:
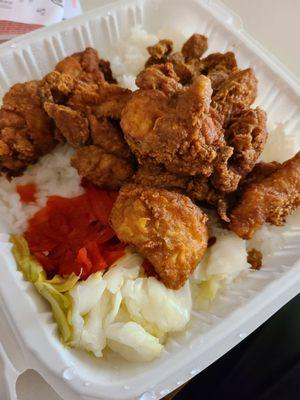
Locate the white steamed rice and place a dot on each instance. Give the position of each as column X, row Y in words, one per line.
column 53, row 175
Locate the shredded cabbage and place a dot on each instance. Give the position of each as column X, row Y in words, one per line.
column 27, row 264
column 132, row 341
column 122, row 309
column 55, row 291
column 150, row 300
column 61, row 306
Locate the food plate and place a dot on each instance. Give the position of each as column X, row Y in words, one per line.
column 238, row 311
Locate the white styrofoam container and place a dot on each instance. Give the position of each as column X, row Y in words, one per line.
column 29, row 337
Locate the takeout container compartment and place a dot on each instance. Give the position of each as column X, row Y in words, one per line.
column 74, row 374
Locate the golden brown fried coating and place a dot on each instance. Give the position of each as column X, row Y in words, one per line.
column 111, row 101
column 86, row 66
column 255, row 258
column 218, row 67
column 259, row 172
column 102, row 99
column 195, row 46
column 159, row 51
column 225, row 178
column 102, row 168
column 235, row 94
column 26, row 132
column 271, row 200
column 71, row 123
column 247, row 134
column 159, row 76
column 56, row 87
column 87, row 114
column 165, row 227
column 184, row 70
column 188, row 64
column 108, row 136
column 79, row 109
column 149, row 174
column 181, row 132
column 200, row 189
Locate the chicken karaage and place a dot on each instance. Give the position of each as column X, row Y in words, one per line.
column 101, row 168
column 165, row 227
column 235, row 94
column 86, row 66
column 180, row 132
column 26, row 131
column 270, row 200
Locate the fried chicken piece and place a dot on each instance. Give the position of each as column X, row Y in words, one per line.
column 102, row 168
column 260, row 171
column 159, row 76
column 235, row 94
column 180, row 132
column 86, row 66
column 165, row 227
column 71, row 124
column 254, row 258
column 71, row 103
column 86, row 114
column 107, row 135
column 187, row 63
column 26, row 132
column 271, row 200
column 159, row 52
column 199, row 189
column 105, row 100
column 194, row 47
column 56, row 87
column 247, row 134
column 185, row 71
column 225, row 178
column 218, row 67
column 149, row 174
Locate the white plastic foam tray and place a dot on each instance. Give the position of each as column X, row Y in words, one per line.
column 31, row 340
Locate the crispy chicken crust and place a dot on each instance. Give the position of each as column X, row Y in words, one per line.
column 247, row 134
column 198, row 188
column 26, row 132
column 107, row 134
column 71, row 103
column 181, row 132
column 86, row 66
column 87, row 114
column 218, row 67
column 270, row 200
column 194, row 47
column 159, row 51
column 235, row 94
column 255, row 259
column 165, row 227
column 149, row 174
column 102, row 168
column 159, row 76
column 188, row 63
column 72, row 125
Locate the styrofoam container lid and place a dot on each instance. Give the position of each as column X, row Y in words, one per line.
column 30, row 340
